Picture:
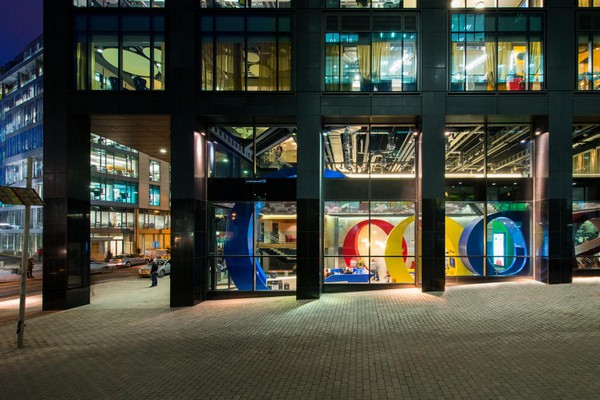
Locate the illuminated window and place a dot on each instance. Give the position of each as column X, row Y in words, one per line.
column 384, row 60
column 501, row 52
column 109, row 58
column 246, row 53
column 154, row 171
column 496, row 3
column 154, row 195
column 245, row 3
column 121, row 3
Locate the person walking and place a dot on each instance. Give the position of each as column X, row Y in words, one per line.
column 154, row 273
column 30, row 267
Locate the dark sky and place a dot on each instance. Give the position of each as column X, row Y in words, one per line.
column 20, row 23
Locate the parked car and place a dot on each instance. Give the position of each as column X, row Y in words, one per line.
column 164, row 268
column 127, row 260
column 100, row 267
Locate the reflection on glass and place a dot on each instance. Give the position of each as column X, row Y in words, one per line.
column 235, row 152
column 369, row 242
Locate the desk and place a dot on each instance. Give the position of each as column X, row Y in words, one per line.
column 282, row 283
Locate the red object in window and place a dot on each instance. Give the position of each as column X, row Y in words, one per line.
column 515, row 84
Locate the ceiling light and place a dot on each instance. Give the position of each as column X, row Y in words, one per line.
column 480, row 4
column 163, row 151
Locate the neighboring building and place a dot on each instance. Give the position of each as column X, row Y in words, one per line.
column 335, row 144
column 21, row 136
column 129, row 191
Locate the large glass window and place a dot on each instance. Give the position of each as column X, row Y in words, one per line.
column 496, row 3
column 251, row 53
column 369, row 151
column 129, row 58
column 586, row 196
column 488, row 200
column 120, row 3
column 245, row 3
column 588, row 52
column 369, row 242
column 246, row 152
column 253, row 246
column 501, row 52
column 103, row 189
column 384, row 60
column 371, row 3
column 589, row 3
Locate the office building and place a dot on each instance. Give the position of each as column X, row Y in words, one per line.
column 327, row 145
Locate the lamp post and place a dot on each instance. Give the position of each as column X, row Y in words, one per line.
column 24, row 260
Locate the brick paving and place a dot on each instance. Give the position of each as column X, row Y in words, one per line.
column 492, row 341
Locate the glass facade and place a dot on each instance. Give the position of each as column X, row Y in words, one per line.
column 246, row 152
column 588, row 3
column 119, row 53
column 361, row 151
column 488, row 200
column 588, row 51
column 246, row 53
column 369, row 242
column 586, row 196
column 245, row 3
column 383, row 60
column 120, row 3
column 371, row 3
column 254, row 246
column 503, row 52
column 106, row 189
column 496, row 3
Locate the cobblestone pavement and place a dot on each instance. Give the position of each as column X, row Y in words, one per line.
column 520, row 340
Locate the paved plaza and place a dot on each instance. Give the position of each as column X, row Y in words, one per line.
column 520, row 340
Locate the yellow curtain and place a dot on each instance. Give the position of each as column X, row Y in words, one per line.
column 363, row 52
column 285, row 65
column 381, row 51
column 267, row 75
column 504, row 50
column 332, row 58
column 536, row 74
column 95, row 84
column 490, row 65
column 81, row 66
column 230, row 66
column 162, row 65
column 207, row 65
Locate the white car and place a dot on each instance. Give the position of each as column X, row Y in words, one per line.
column 127, row 260
column 100, row 267
column 164, row 268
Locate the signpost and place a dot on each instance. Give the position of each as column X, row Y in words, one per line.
column 27, row 197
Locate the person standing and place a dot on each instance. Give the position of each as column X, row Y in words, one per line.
column 154, row 273
column 30, row 267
